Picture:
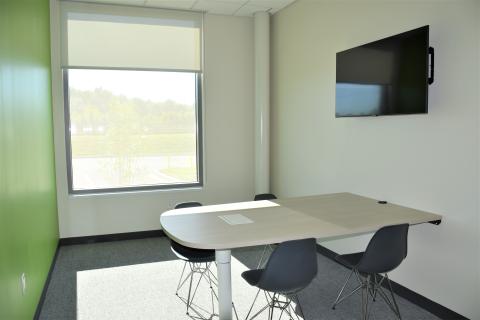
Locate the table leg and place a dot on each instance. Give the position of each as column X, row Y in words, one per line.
column 223, row 258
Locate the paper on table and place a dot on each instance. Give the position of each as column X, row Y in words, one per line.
column 233, row 219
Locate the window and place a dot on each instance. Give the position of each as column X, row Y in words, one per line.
column 132, row 87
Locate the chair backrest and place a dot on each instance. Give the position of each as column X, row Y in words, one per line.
column 386, row 250
column 264, row 196
column 177, row 247
column 291, row 267
column 190, row 204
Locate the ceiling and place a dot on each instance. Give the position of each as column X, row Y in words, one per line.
column 226, row 7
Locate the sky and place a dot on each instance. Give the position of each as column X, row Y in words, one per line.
column 147, row 85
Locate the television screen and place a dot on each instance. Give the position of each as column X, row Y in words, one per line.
column 385, row 77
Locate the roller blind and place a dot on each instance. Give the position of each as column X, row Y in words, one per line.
column 111, row 36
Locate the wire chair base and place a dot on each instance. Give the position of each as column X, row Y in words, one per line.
column 277, row 301
column 370, row 286
column 201, row 270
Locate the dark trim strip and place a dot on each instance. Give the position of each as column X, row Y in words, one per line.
column 415, row 298
column 36, row 316
column 112, row 237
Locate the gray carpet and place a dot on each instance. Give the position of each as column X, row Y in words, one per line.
column 60, row 301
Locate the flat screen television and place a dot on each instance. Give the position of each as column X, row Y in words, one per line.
column 385, row 77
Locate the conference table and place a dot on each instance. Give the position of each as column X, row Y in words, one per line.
column 228, row 226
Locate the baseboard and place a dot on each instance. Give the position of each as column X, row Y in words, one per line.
column 112, row 237
column 36, row 316
column 415, row 298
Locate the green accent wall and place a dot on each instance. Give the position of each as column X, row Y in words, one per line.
column 28, row 211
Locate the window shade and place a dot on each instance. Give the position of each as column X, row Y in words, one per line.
column 107, row 36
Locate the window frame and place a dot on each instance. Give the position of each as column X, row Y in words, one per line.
column 153, row 187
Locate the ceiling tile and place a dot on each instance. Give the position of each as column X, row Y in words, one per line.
column 249, row 9
column 275, row 5
column 227, row 7
column 218, row 7
column 173, row 4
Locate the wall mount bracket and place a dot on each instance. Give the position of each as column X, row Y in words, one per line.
column 431, row 54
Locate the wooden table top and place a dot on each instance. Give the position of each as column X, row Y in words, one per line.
column 321, row 217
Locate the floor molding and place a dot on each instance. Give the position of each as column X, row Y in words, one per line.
column 36, row 316
column 112, row 237
column 415, row 298
column 421, row 301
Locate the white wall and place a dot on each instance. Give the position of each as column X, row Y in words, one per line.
column 427, row 162
column 228, row 139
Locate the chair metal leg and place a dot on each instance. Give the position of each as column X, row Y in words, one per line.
column 299, row 306
column 235, row 311
column 201, row 273
column 212, row 293
column 281, row 312
column 189, row 290
column 365, row 298
column 365, row 287
column 272, row 308
column 259, row 312
column 264, row 252
column 386, row 299
column 277, row 301
column 192, row 296
column 351, row 293
column 211, row 279
column 375, row 284
column 179, row 285
column 287, row 307
column 370, row 286
column 341, row 290
column 393, row 298
column 193, row 310
column 251, row 307
column 290, row 308
column 392, row 304
column 269, row 299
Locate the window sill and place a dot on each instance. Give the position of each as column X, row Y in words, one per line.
column 135, row 191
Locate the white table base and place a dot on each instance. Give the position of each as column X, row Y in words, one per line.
column 223, row 258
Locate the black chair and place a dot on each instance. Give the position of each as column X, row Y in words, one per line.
column 290, row 268
column 199, row 262
column 385, row 251
column 264, row 196
column 267, row 248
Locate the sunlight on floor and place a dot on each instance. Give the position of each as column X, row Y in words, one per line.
column 147, row 291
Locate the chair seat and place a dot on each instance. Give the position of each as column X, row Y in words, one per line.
column 192, row 254
column 252, row 276
column 349, row 260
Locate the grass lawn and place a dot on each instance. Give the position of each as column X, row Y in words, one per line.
column 134, row 145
